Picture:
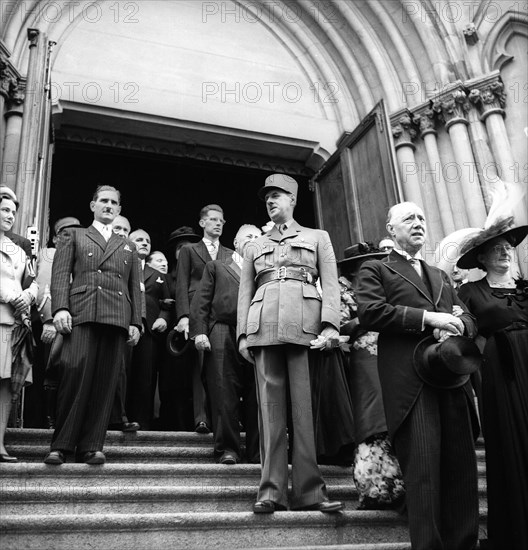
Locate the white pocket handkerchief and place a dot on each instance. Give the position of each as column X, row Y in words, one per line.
column 126, row 247
column 159, row 280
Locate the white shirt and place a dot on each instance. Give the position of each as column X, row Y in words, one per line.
column 104, row 229
column 212, row 247
column 237, row 258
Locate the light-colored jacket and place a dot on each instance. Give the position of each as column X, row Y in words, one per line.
column 13, row 269
column 288, row 311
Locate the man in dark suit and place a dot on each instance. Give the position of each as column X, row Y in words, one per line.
column 145, row 356
column 405, row 299
column 96, row 300
column 191, row 264
column 281, row 315
column 228, row 375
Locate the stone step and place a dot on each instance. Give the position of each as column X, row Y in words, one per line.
column 134, row 499
column 189, row 531
column 30, row 436
column 34, row 475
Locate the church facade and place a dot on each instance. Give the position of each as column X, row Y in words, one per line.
column 366, row 102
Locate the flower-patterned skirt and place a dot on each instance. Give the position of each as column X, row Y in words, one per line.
column 377, row 474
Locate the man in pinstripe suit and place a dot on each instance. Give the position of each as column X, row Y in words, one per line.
column 96, row 301
column 432, row 429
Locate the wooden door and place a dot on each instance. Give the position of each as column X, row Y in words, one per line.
column 358, row 184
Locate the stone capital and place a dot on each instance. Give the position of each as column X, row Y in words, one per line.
column 452, row 106
column 425, row 120
column 403, row 129
column 488, row 96
column 9, row 81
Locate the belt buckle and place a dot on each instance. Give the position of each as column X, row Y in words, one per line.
column 306, row 276
column 281, row 273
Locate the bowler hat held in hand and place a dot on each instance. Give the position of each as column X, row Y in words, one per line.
column 447, row 364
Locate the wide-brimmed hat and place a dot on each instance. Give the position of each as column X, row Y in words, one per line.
column 278, row 181
column 448, row 364
column 361, row 252
column 177, row 344
column 472, row 246
column 184, row 233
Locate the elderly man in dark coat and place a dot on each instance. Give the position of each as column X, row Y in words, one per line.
column 280, row 316
column 433, row 429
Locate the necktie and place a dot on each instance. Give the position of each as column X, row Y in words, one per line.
column 283, row 228
column 416, row 265
column 107, row 232
column 212, row 250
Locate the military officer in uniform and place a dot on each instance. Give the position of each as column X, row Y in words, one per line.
column 280, row 315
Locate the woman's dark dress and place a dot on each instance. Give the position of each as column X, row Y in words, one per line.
column 502, row 316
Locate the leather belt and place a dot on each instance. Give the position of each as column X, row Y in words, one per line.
column 284, row 273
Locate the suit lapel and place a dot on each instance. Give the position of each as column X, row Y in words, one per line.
column 233, row 270
column 398, row 264
column 112, row 245
column 202, row 252
column 93, row 234
column 435, row 280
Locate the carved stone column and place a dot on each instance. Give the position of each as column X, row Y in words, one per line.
column 452, row 106
column 11, row 97
column 489, row 97
column 404, row 133
column 425, row 121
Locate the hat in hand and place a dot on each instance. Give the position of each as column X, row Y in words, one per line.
column 447, row 364
column 176, row 343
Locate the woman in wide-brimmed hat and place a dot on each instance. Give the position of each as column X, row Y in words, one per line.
column 500, row 304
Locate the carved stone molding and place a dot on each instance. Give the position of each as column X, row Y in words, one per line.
column 425, row 119
column 403, row 129
column 471, row 34
column 190, row 150
column 489, row 97
column 10, row 82
column 452, row 106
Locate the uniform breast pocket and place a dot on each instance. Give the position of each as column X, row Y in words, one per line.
column 264, row 258
column 302, row 253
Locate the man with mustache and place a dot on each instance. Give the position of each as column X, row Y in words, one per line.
column 96, row 301
column 432, row 428
column 281, row 315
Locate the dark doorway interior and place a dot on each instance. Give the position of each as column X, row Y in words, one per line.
column 160, row 194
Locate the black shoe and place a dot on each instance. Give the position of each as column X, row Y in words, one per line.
column 54, row 458
column 267, row 507
column 7, row 459
column 228, row 458
column 202, row 428
column 92, row 457
column 130, row 427
column 328, row 506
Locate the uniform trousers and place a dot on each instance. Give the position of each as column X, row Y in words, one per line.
column 277, row 368
column 436, row 449
column 90, row 362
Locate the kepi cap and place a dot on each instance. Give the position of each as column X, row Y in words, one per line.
column 278, row 181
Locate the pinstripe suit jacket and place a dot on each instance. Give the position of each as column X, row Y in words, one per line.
column 97, row 281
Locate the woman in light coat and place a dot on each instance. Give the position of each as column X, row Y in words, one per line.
column 14, row 306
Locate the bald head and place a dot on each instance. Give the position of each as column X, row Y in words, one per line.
column 142, row 241
column 121, row 226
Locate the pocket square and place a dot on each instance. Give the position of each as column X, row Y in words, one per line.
column 126, row 247
column 159, row 280
column 142, row 287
